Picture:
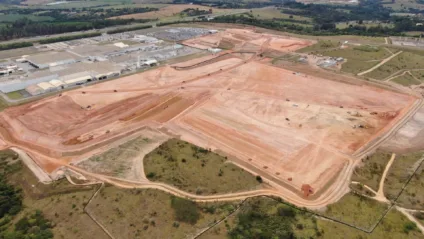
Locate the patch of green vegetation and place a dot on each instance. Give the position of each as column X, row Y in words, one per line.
column 68, row 38
column 259, row 216
column 412, row 197
column 14, row 95
column 361, row 189
column 403, row 61
column 31, row 226
column 185, row 210
column 406, row 79
column 263, row 217
column 148, row 213
column 14, row 17
column 391, row 227
column 11, row 205
column 419, row 74
column 370, row 171
column 195, row 169
column 357, row 66
column 401, row 169
column 320, row 46
column 359, row 58
column 356, row 210
column 272, row 13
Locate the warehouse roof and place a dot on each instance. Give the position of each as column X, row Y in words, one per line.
column 56, row 83
column 34, row 90
column 51, row 57
column 77, row 77
column 45, row 85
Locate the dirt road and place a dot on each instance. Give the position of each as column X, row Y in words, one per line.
column 380, row 64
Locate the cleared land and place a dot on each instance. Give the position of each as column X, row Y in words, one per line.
column 408, row 138
column 126, row 159
column 297, row 131
column 196, row 170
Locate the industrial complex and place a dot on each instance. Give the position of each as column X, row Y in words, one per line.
column 73, row 63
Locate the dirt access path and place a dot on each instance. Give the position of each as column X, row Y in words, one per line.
column 411, row 218
column 380, row 193
column 380, row 64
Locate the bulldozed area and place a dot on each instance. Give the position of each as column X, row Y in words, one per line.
column 299, row 132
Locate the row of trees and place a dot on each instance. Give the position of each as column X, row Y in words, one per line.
column 27, row 28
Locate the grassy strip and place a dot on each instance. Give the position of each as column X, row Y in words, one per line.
column 15, row 45
column 126, row 29
column 68, row 38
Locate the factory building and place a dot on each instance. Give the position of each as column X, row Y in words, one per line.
column 79, row 78
column 50, row 59
column 34, row 90
column 58, row 84
column 151, row 62
column 46, row 87
column 20, row 84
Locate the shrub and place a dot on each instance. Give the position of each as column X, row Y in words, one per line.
column 185, row 210
column 409, row 226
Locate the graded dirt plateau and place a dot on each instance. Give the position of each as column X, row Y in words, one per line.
column 297, row 131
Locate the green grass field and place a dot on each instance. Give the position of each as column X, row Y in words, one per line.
column 356, row 210
column 370, row 171
column 412, row 197
column 14, row 95
column 153, row 214
column 359, row 58
column 60, row 202
column 406, row 80
column 196, row 170
column 270, row 13
column 305, row 225
column 391, row 227
column 82, row 4
column 399, row 172
column 343, row 25
column 404, row 61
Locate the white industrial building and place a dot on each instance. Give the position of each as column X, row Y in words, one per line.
column 77, row 78
column 58, row 84
column 151, row 62
column 50, row 59
column 47, row 87
column 146, row 39
column 20, row 84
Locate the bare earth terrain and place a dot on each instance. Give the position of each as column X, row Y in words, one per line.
column 299, row 132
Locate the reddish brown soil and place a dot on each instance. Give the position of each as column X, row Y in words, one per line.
column 285, row 125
